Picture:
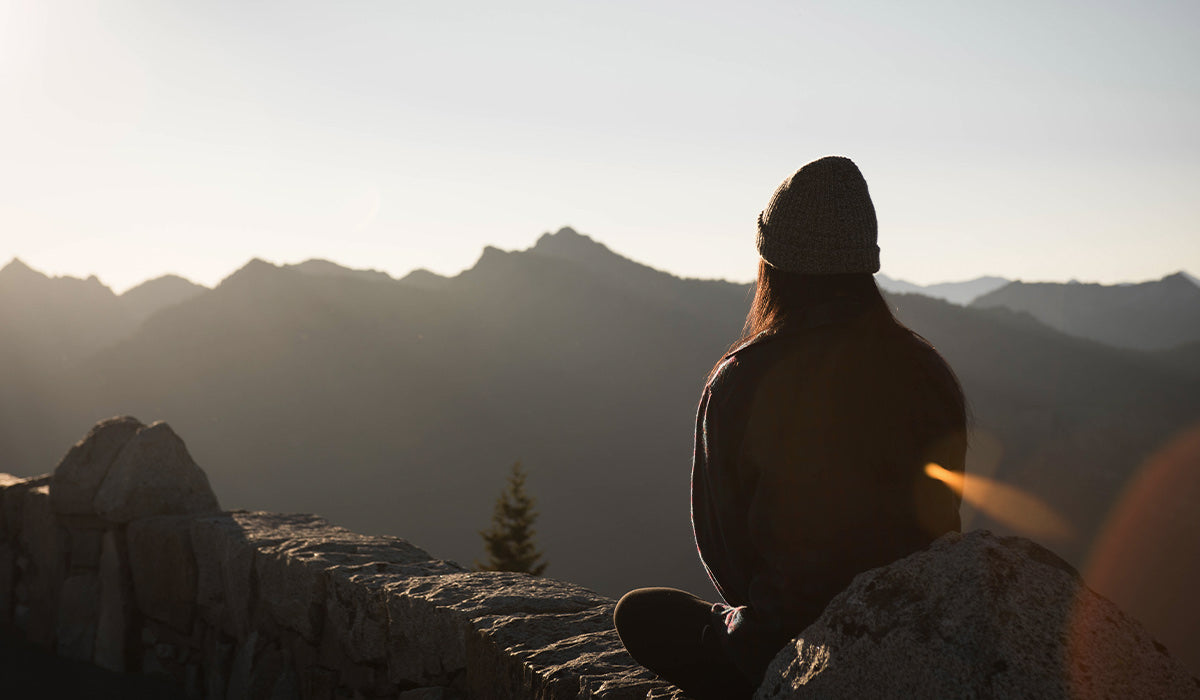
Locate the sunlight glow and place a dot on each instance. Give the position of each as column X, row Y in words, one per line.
column 1006, row 504
column 1144, row 558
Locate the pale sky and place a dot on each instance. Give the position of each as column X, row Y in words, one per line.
column 1034, row 139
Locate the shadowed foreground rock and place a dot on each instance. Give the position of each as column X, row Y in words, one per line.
column 153, row 474
column 120, row 560
column 975, row 616
column 78, row 476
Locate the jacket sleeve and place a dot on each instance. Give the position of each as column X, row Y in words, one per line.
column 718, row 490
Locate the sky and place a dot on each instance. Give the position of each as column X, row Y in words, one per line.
column 1036, row 140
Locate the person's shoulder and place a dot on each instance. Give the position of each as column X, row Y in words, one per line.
column 928, row 367
column 924, row 351
column 745, row 361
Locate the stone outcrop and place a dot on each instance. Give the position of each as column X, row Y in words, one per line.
column 80, row 473
column 153, row 474
column 150, row 578
column 134, row 569
column 980, row 616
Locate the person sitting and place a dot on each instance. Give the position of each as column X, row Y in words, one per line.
column 812, row 440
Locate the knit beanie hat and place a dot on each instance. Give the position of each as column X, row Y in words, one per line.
column 821, row 221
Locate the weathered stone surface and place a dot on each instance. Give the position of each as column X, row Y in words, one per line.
column 6, row 480
column 290, row 605
column 12, row 497
column 78, row 476
column 293, row 563
column 318, row 684
column 290, row 557
column 42, row 539
column 8, row 572
column 292, row 592
column 269, row 670
column 114, row 628
column 40, row 535
column 356, row 616
column 431, row 617
column 975, row 615
column 78, row 614
column 564, row 655
column 163, row 568
column 226, row 547
column 425, row 694
column 184, row 646
column 243, row 664
column 154, row 475
column 225, row 562
column 216, row 658
column 83, row 547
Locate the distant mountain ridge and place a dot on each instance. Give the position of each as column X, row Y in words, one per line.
column 159, row 293
column 1154, row 315
column 961, row 293
column 696, row 295
column 56, row 321
column 317, row 266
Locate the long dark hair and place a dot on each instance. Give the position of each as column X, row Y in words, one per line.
column 851, row 300
column 781, row 296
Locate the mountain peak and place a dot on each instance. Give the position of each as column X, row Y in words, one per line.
column 152, row 295
column 168, row 284
column 17, row 274
column 1181, row 276
column 570, row 244
column 425, row 279
column 326, row 268
column 255, row 268
column 17, row 269
column 564, row 234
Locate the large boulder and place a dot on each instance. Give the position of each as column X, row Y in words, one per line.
column 154, row 475
column 975, row 615
column 78, row 476
column 162, row 567
column 115, row 619
column 43, row 541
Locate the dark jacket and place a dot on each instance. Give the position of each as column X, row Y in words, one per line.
column 809, row 468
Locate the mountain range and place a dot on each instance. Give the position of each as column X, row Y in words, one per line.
column 397, row 406
column 961, row 293
column 1157, row 315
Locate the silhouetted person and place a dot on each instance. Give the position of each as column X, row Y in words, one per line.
column 812, row 439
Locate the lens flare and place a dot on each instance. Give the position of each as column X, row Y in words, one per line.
column 1145, row 558
column 1006, row 504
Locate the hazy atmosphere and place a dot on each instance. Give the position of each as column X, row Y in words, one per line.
column 1031, row 140
column 349, row 264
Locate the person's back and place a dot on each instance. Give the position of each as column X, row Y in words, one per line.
column 817, row 469
column 812, row 441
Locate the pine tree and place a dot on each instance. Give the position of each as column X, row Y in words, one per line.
column 509, row 541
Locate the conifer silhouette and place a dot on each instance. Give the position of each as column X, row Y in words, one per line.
column 509, row 541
